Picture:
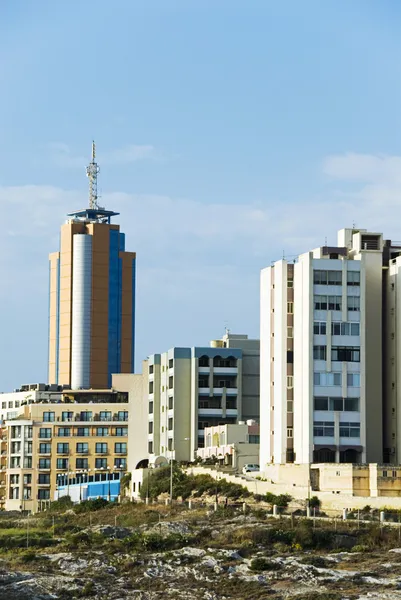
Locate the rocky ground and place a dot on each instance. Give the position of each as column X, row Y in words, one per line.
column 222, row 559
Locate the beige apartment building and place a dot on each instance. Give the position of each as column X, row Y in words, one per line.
column 81, row 438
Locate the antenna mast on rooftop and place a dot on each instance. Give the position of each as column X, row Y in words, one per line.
column 91, row 172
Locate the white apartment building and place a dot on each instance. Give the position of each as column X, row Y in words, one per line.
column 189, row 389
column 321, row 396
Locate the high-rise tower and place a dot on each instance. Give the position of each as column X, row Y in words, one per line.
column 92, row 298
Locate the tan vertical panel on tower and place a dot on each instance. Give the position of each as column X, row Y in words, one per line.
column 66, row 248
column 100, row 303
column 53, row 308
column 126, row 311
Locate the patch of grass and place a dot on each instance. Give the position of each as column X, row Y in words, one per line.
column 263, row 564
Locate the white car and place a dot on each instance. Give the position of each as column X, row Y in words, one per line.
column 250, row 468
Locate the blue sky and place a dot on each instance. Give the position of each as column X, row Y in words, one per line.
column 228, row 132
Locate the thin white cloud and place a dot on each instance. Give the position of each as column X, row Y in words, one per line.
column 364, row 168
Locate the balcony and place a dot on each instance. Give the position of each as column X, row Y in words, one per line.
column 82, row 452
column 122, row 453
column 63, row 452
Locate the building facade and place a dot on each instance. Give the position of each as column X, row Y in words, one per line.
column 321, row 354
column 92, row 301
column 232, row 445
column 189, row 389
column 81, row 438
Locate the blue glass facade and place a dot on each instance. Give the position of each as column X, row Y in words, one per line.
column 133, row 315
column 115, row 299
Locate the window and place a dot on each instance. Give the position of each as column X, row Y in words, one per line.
column 121, row 431
column 319, row 352
column 105, row 415
column 151, row 408
column 290, row 308
column 14, row 493
column 16, row 431
column 83, row 432
column 4, row 405
column 150, row 447
column 15, row 462
column 204, row 361
column 203, row 382
column 101, row 463
column 27, row 462
column 319, row 327
column 334, row 302
column 82, row 448
column 321, row 403
column 353, row 303
column 67, row 416
column 150, row 387
column 45, row 448
column 345, row 328
column 171, row 363
column 353, row 278
column 64, row 431
column 323, row 428
column 290, row 432
column 150, row 427
column 27, row 447
column 44, row 478
column 43, row 494
column 102, row 431
column 327, row 379
column 290, row 283
column 15, row 447
column 353, row 380
column 290, row 357
column 63, row 448
column 290, row 406
column 44, row 463
column 62, row 463
column 351, row 404
column 320, row 277
column 17, row 404
column 120, row 448
column 170, row 402
column 48, row 417
column 334, row 277
column 101, row 448
column 170, row 424
column 85, row 415
column 290, row 332
column 151, row 368
column 290, row 381
column 27, row 493
column 349, row 430
column 120, row 463
column 345, row 353
column 327, row 277
column 254, row 439
column 122, row 415
column 320, row 302
column 231, row 403
column 336, row 404
column 45, row 432
column 82, row 463
column 14, row 479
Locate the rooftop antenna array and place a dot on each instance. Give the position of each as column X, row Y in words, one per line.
column 92, row 171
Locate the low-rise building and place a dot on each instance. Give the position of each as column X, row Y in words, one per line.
column 232, row 445
column 82, row 437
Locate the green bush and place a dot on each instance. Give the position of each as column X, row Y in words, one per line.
column 315, row 502
column 263, row 564
column 64, row 503
column 91, row 505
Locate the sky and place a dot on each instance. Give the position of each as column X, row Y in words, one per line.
column 230, row 133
